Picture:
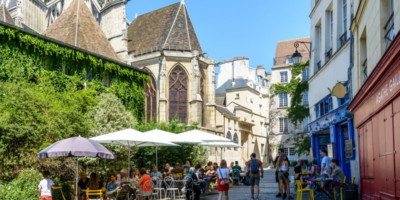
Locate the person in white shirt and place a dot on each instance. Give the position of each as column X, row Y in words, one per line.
column 45, row 187
column 325, row 164
column 223, row 177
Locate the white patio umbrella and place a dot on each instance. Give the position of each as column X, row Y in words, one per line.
column 203, row 136
column 172, row 137
column 221, row 145
column 131, row 138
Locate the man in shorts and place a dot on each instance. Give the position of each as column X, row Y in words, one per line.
column 255, row 169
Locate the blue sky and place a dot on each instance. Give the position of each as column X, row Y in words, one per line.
column 231, row 28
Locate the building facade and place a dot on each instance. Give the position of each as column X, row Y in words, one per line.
column 331, row 124
column 242, row 98
column 282, row 129
column 376, row 102
column 38, row 15
column 164, row 43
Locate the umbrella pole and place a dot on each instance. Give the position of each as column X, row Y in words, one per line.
column 129, row 160
column 157, row 156
column 76, row 181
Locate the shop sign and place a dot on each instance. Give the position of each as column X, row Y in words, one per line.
column 348, row 148
column 390, row 86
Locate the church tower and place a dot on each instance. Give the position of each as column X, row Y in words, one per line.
column 164, row 43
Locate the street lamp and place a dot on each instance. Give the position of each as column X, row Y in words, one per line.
column 296, row 57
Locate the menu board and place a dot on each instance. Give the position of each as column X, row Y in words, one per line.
column 330, row 150
column 348, row 148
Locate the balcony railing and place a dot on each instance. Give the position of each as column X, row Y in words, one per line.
column 389, row 28
column 343, row 39
column 328, row 55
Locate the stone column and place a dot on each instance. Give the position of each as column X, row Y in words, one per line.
column 195, row 101
column 162, row 90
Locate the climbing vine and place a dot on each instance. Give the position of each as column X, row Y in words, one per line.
column 26, row 56
column 296, row 87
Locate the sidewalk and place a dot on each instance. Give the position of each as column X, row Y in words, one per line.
column 268, row 189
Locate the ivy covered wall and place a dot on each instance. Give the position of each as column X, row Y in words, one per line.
column 43, row 98
column 25, row 56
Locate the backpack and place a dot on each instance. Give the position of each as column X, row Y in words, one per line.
column 254, row 166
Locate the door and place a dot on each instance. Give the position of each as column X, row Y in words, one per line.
column 396, row 127
column 383, row 127
column 367, row 160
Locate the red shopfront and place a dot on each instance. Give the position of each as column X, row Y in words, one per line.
column 376, row 109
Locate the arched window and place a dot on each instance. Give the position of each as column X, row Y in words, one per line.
column 178, row 94
column 229, row 135
column 151, row 100
column 236, row 138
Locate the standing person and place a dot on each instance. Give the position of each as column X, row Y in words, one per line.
column 255, row 167
column 45, row 187
column 283, row 176
column 325, row 164
column 280, row 153
column 223, row 177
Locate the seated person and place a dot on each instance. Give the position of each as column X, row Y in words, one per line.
column 82, row 186
column 167, row 169
column 298, row 176
column 315, row 170
column 337, row 172
column 155, row 173
column 186, row 171
column 212, row 174
column 178, row 170
column 208, row 166
column 112, row 186
column 133, row 176
column 144, row 184
column 203, row 180
column 122, row 177
column 95, row 184
column 301, row 164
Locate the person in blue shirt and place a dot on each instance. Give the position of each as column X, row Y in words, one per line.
column 112, row 185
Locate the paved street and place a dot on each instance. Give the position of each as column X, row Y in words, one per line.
column 268, row 190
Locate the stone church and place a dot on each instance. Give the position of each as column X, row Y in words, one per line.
column 163, row 42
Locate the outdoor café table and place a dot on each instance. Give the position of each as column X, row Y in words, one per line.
column 321, row 193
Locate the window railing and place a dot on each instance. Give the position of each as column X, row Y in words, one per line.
column 343, row 39
column 364, row 70
column 389, row 28
column 328, row 55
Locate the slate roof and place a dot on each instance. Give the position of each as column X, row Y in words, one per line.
column 285, row 49
column 5, row 15
column 225, row 111
column 239, row 83
column 168, row 28
column 77, row 26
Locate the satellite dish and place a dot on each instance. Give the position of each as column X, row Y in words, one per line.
column 339, row 90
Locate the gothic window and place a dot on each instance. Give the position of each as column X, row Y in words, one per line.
column 229, row 135
column 178, row 86
column 236, row 138
column 151, row 100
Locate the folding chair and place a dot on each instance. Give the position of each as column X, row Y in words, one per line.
column 94, row 194
column 300, row 191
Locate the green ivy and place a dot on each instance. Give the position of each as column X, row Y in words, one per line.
column 297, row 112
column 25, row 56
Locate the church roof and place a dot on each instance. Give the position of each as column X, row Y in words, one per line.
column 5, row 15
column 168, row 28
column 77, row 26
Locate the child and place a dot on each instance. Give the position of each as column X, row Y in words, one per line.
column 45, row 187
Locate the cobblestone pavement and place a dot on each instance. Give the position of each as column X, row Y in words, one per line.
column 268, row 189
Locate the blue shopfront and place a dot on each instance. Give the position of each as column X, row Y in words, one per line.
column 334, row 132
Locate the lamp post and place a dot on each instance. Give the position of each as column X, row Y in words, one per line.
column 296, row 55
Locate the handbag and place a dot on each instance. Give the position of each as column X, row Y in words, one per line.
column 224, row 180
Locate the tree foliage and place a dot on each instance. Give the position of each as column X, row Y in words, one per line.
column 297, row 112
